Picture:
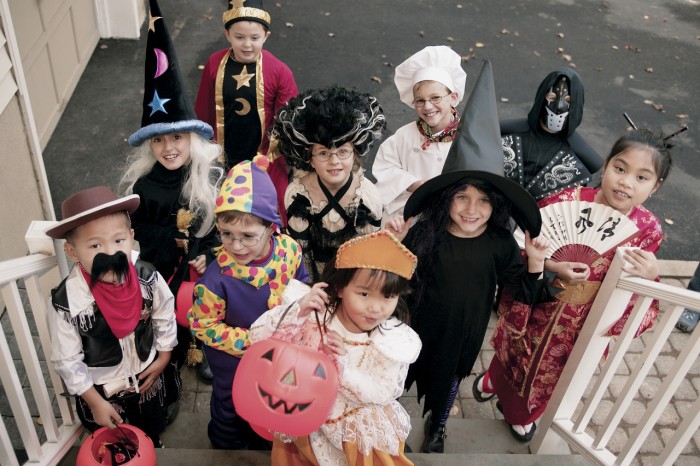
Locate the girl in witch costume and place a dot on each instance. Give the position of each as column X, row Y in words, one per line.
column 242, row 88
column 432, row 83
column 360, row 303
column 464, row 246
column 533, row 343
column 325, row 134
column 253, row 268
column 113, row 326
column 175, row 172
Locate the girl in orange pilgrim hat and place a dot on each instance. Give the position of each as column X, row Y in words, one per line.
column 360, row 304
column 174, row 170
column 464, row 246
column 112, row 325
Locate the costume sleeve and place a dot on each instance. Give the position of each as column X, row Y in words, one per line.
column 392, row 178
column 67, row 352
column 163, row 316
column 287, row 87
column 379, row 381
column 156, row 242
column 524, row 286
column 206, row 317
column 204, row 105
column 283, row 321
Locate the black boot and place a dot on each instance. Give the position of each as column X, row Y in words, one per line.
column 434, row 437
column 204, row 371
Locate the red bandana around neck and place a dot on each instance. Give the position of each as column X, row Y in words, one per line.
column 446, row 135
column 120, row 304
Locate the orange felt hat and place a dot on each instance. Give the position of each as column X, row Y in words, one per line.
column 380, row 250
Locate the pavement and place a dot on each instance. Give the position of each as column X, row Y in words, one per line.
column 638, row 56
column 634, row 56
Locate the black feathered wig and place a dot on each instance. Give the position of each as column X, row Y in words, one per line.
column 330, row 117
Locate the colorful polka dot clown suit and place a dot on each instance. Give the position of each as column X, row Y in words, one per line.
column 231, row 295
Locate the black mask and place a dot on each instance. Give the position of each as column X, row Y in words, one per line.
column 103, row 263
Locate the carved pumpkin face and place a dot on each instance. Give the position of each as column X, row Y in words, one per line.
column 285, row 387
column 105, row 444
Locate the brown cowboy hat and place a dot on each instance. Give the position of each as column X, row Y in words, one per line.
column 90, row 204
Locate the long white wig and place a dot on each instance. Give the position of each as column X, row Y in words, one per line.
column 201, row 183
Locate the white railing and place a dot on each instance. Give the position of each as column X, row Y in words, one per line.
column 569, row 412
column 62, row 431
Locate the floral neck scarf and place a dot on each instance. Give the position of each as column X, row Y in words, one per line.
column 446, row 135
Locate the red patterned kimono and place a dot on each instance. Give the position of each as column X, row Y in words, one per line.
column 533, row 343
column 276, row 87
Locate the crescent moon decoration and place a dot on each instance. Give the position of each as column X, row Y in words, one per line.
column 161, row 62
column 246, row 106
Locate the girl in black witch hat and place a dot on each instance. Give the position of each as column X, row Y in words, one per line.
column 464, row 246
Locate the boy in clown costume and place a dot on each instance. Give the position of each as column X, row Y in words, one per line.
column 253, row 267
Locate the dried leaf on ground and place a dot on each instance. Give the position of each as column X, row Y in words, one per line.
column 200, row 67
column 560, row 49
column 560, row 35
column 479, row 45
column 536, row 53
column 207, row 17
column 450, row 39
column 632, row 47
column 289, row 25
column 421, row 33
column 656, row 106
column 388, row 63
column 669, row 221
column 505, row 31
column 326, row 13
column 649, row 69
column 682, row 116
column 566, row 56
column 376, row 79
column 104, row 46
column 504, row 99
column 331, row 34
column 615, row 47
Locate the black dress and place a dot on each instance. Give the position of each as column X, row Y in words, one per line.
column 452, row 315
column 155, row 225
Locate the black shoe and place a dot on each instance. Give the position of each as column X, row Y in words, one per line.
column 478, row 394
column 688, row 321
column 171, row 412
column 204, row 372
column 434, row 437
column 520, row 438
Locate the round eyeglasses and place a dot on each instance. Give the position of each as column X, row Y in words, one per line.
column 325, row 155
column 433, row 100
column 246, row 241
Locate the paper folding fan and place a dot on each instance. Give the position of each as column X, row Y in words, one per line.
column 581, row 231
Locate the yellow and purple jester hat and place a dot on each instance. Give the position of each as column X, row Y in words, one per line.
column 248, row 188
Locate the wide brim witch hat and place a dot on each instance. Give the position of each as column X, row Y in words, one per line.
column 166, row 107
column 477, row 153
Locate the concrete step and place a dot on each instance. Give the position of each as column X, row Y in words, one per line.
column 189, row 457
column 470, row 436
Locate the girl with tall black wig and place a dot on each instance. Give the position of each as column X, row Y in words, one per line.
column 325, row 134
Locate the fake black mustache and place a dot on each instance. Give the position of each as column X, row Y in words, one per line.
column 103, row 263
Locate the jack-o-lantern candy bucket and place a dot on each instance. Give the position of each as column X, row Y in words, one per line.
column 283, row 387
column 183, row 303
column 124, row 444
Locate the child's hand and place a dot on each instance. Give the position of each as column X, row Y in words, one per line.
column 536, row 250
column 398, row 227
column 151, row 373
column 199, row 263
column 315, row 300
column 103, row 413
column 334, row 343
column 641, row 263
column 570, row 272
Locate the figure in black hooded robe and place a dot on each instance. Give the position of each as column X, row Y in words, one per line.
column 543, row 153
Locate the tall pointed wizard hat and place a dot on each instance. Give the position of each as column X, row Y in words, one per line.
column 166, row 106
column 477, row 153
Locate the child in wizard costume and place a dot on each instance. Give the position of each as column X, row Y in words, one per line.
column 252, row 270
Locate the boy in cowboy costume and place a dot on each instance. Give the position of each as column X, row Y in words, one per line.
column 113, row 327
